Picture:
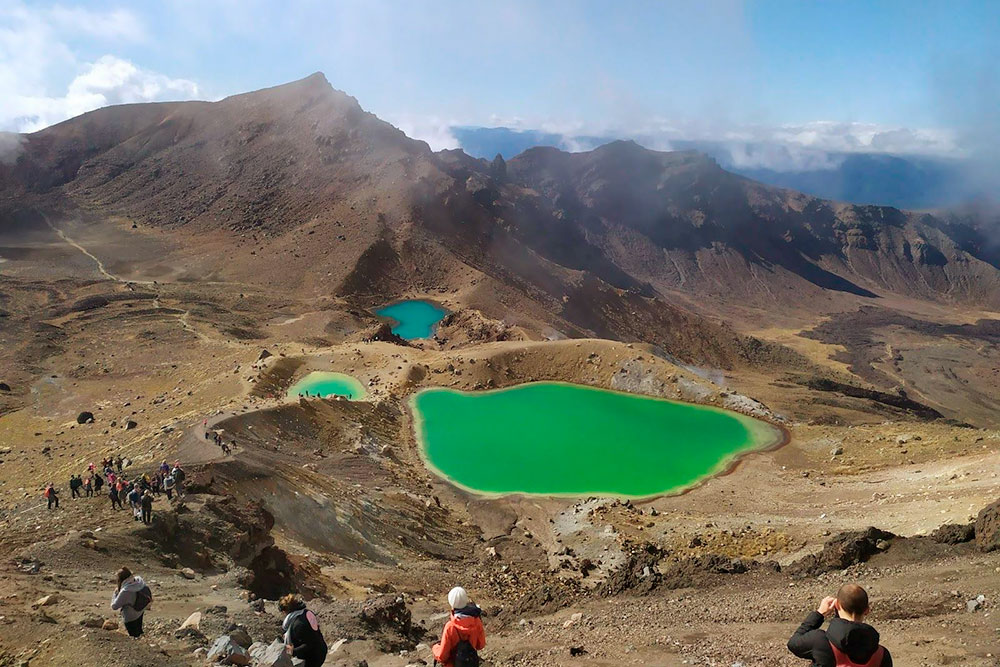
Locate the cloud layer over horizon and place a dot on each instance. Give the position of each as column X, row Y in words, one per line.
column 735, row 72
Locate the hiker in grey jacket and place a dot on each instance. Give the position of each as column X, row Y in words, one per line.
column 124, row 599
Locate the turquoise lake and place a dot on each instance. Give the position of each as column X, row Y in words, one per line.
column 327, row 384
column 554, row 438
column 413, row 319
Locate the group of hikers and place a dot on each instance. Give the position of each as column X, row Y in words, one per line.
column 139, row 492
column 462, row 639
column 216, row 437
column 847, row 642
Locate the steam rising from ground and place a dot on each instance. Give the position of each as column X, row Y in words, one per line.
column 11, row 145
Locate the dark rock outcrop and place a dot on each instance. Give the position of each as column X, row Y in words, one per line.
column 954, row 533
column 85, row 418
column 843, row 550
column 988, row 527
column 894, row 400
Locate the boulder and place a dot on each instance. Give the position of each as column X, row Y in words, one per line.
column 110, row 625
column 188, row 573
column 130, row 424
column 193, row 621
column 85, row 418
column 46, row 601
column 4, row 386
column 273, row 655
column 843, row 550
column 988, row 527
column 227, row 652
column 95, row 622
column 954, row 533
column 239, row 634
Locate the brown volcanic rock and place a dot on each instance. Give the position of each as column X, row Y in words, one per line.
column 988, row 527
column 843, row 550
column 679, row 221
column 301, row 188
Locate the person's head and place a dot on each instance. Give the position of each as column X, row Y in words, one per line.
column 852, row 602
column 123, row 574
column 458, row 598
column 290, row 603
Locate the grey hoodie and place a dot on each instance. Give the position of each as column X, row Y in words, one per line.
column 125, row 598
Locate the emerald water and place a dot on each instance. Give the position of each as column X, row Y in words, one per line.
column 324, row 384
column 414, row 319
column 553, row 438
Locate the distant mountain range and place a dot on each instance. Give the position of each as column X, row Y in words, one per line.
column 304, row 191
column 910, row 182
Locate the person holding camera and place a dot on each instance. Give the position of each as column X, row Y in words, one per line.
column 848, row 641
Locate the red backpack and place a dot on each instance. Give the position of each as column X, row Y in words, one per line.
column 844, row 661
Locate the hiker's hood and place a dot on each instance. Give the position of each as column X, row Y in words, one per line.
column 291, row 617
column 468, row 611
column 858, row 640
column 133, row 583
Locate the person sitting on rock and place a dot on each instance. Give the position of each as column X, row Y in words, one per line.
column 848, row 641
column 52, row 496
column 127, row 599
column 303, row 638
column 463, row 636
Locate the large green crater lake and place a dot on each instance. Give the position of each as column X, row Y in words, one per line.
column 553, row 438
column 413, row 319
column 327, row 384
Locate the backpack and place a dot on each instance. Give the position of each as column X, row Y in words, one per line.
column 143, row 598
column 844, row 661
column 464, row 655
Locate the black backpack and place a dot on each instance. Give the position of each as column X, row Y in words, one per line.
column 464, row 655
column 143, row 598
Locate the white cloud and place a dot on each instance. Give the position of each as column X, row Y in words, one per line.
column 432, row 129
column 116, row 24
column 108, row 81
column 35, row 51
column 819, row 145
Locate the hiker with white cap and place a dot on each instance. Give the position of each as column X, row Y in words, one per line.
column 463, row 635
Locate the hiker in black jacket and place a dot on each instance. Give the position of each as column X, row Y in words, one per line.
column 303, row 638
column 848, row 641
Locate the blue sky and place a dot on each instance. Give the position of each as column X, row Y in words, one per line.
column 923, row 74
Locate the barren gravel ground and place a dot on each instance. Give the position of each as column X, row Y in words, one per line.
column 361, row 515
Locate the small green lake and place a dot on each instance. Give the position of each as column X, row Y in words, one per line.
column 413, row 319
column 327, row 384
column 552, row 438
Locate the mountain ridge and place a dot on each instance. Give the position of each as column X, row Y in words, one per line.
column 312, row 188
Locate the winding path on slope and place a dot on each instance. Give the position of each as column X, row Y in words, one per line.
column 182, row 318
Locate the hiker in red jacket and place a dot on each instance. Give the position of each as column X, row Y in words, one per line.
column 848, row 641
column 52, row 496
column 463, row 635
